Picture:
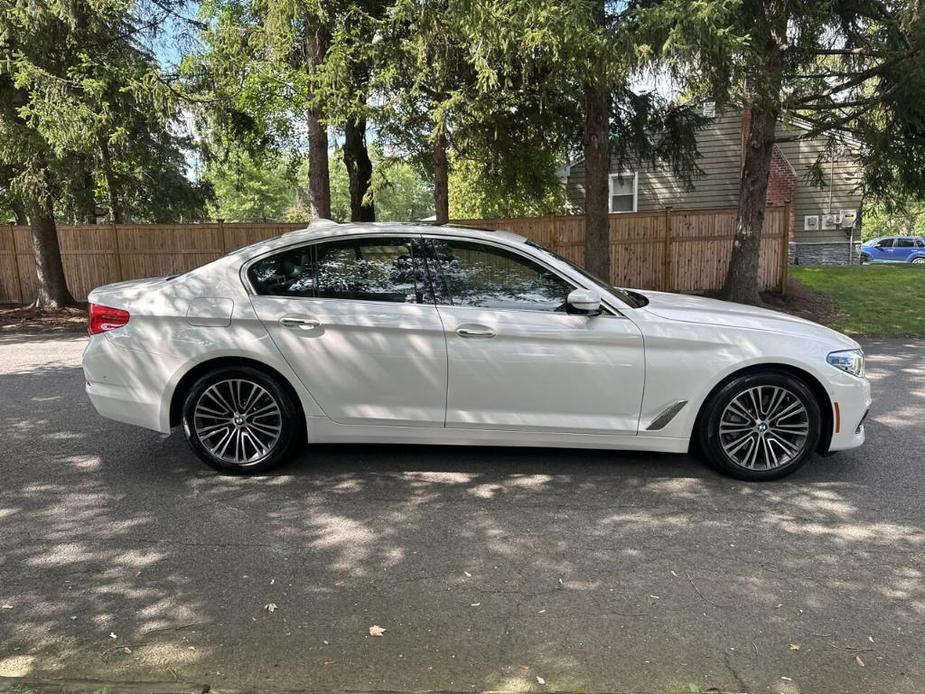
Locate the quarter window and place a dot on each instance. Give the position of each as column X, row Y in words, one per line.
column 288, row 273
column 920, row 243
column 475, row 274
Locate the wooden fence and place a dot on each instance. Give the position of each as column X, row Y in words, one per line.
column 680, row 250
column 672, row 250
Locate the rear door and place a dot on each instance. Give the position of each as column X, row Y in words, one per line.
column 356, row 320
column 518, row 360
column 902, row 249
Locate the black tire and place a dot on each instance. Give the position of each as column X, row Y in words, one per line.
column 775, row 439
column 864, row 258
column 254, row 431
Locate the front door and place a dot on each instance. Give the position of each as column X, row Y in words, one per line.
column 518, row 360
column 357, row 323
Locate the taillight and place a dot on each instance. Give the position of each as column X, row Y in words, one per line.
column 103, row 318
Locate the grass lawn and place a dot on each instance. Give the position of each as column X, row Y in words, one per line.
column 884, row 300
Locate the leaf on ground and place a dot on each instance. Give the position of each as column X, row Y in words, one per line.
column 376, row 630
column 270, row 607
column 794, row 646
column 6, row 606
column 858, row 660
column 112, row 635
column 475, row 604
column 540, row 680
column 468, row 575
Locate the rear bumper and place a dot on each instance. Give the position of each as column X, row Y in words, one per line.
column 126, row 385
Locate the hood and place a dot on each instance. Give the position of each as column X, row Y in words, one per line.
column 704, row 311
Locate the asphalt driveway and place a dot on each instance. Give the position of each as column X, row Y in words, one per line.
column 123, row 559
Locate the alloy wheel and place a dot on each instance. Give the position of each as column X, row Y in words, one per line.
column 237, row 421
column 764, row 427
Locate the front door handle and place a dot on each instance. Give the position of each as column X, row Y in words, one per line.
column 475, row 331
column 300, row 323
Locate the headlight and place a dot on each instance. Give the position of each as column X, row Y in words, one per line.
column 850, row 360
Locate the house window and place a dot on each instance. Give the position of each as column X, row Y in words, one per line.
column 624, row 189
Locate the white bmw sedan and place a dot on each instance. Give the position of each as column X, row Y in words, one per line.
column 420, row 334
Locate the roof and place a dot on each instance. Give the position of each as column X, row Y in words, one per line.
column 325, row 228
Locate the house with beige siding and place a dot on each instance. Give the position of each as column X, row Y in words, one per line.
column 825, row 208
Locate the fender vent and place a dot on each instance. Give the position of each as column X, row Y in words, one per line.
column 666, row 415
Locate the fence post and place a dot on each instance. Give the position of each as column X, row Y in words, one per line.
column 785, row 250
column 666, row 253
column 221, row 234
column 115, row 236
column 22, row 296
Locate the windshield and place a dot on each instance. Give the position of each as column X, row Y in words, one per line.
column 630, row 298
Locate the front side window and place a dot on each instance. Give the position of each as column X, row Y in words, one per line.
column 479, row 275
column 364, row 269
column 885, row 243
column 623, row 192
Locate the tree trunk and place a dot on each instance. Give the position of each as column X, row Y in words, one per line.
column 86, row 204
column 112, row 186
column 596, row 143
column 319, row 178
column 741, row 283
column 441, row 178
column 360, row 171
column 52, row 287
column 19, row 212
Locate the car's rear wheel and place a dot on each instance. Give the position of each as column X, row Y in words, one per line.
column 761, row 426
column 241, row 420
column 919, row 261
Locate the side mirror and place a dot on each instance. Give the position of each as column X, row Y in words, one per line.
column 584, row 301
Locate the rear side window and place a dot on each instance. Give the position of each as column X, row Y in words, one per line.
column 370, row 269
column 905, row 243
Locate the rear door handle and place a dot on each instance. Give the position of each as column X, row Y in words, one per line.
column 300, row 323
column 475, row 331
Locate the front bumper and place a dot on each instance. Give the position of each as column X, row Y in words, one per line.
column 850, row 404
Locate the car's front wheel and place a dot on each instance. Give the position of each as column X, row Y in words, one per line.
column 241, row 420
column 761, row 426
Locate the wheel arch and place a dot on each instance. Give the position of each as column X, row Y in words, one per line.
column 190, row 377
column 813, row 383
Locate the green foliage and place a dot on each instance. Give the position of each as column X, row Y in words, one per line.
column 75, row 90
column 477, row 192
column 249, row 188
column 399, row 191
column 907, row 219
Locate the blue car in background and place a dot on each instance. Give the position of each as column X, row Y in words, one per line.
column 894, row 249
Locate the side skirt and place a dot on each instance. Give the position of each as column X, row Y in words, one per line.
column 323, row 430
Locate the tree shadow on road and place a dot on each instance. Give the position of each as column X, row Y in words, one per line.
column 124, row 558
